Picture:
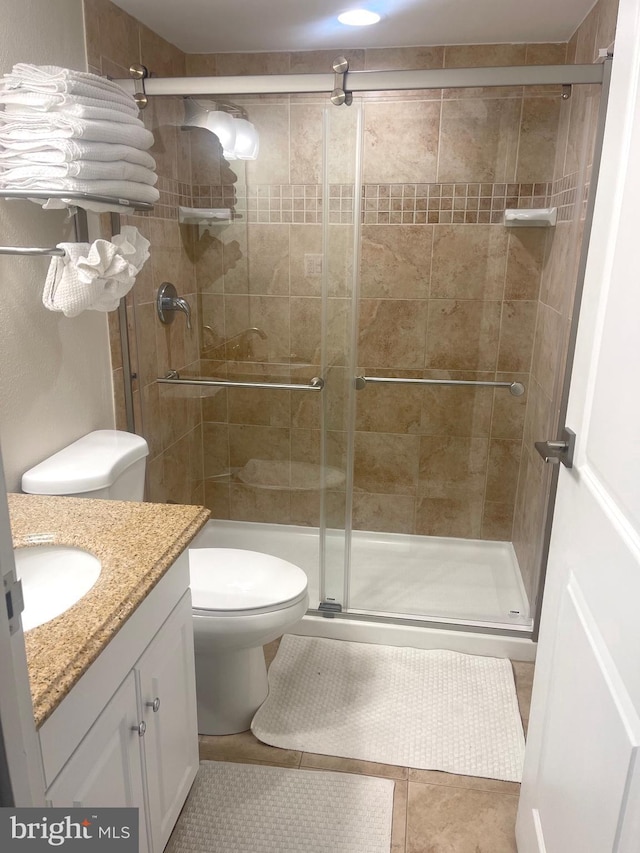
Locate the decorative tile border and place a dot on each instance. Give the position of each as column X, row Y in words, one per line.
column 388, row 204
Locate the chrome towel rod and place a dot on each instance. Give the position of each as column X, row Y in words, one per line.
column 172, row 378
column 515, row 388
column 26, row 250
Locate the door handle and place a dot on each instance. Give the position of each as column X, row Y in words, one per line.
column 560, row 450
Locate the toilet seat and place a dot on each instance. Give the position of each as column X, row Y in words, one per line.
column 226, row 581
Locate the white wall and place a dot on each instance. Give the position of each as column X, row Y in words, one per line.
column 55, row 373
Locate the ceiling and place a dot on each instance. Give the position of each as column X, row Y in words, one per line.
column 221, row 26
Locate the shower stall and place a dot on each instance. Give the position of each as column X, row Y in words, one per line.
column 374, row 350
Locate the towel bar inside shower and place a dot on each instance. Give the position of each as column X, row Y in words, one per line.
column 515, row 388
column 172, row 378
column 45, row 194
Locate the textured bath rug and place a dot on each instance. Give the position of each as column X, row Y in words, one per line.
column 434, row 710
column 245, row 808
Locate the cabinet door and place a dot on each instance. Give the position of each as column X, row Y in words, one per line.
column 166, row 677
column 106, row 769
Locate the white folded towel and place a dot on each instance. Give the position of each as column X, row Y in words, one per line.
column 58, row 102
column 52, row 78
column 94, row 277
column 54, row 151
column 59, row 126
column 28, row 175
column 116, row 189
column 100, row 113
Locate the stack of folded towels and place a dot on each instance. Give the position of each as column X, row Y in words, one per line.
column 70, row 130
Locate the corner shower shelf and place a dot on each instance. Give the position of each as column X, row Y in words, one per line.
column 63, row 194
column 531, row 217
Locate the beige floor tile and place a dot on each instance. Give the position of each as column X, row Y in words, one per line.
column 523, row 672
column 270, row 651
column 399, row 821
column 311, row 760
column 244, row 747
column 472, row 783
column 457, row 820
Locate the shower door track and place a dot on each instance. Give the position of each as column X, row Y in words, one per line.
column 371, row 81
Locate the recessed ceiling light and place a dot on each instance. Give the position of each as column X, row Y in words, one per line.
column 359, row 18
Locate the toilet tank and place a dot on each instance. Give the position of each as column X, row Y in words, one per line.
column 107, row 463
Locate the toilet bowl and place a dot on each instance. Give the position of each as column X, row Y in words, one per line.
column 241, row 600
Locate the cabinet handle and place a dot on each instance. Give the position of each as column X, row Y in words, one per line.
column 140, row 728
column 155, row 705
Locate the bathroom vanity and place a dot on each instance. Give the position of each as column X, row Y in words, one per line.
column 113, row 679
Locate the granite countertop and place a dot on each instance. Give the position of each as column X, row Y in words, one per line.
column 136, row 544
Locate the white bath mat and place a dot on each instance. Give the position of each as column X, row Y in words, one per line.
column 434, row 710
column 245, row 808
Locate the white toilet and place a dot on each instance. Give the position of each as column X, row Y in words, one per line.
column 241, row 599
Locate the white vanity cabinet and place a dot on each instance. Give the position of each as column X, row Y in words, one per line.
column 138, row 745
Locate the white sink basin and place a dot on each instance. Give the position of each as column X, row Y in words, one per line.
column 54, row 578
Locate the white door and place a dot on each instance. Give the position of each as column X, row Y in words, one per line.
column 581, row 786
column 167, row 689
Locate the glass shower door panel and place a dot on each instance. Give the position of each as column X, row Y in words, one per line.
column 341, row 221
column 446, row 293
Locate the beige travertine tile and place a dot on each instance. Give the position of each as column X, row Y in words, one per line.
column 540, row 412
column 390, row 408
column 403, row 58
column 244, row 747
column 548, row 347
column 449, row 517
column 525, row 257
column 304, row 240
column 471, row 783
column 216, row 449
column 561, row 266
column 268, row 249
column 232, row 64
column 552, row 53
column 399, row 819
column 306, row 328
column 452, row 467
column 259, row 407
column 200, row 64
column 321, row 61
column 110, row 32
column 497, row 521
column 392, row 333
column 469, row 261
column 586, row 48
column 386, row 464
column 306, row 143
column 340, row 252
column 216, row 498
column 401, row 142
column 312, row 760
column 478, row 140
column 257, row 442
column 269, row 313
column 462, row 334
column 477, row 55
column 442, row 820
column 538, row 135
column 450, row 411
column 386, row 513
column 607, row 19
column 251, row 504
column 507, row 420
column 523, row 672
column 162, row 58
column 517, row 329
column 502, row 472
column 395, row 261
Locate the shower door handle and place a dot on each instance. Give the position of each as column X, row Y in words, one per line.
column 560, row 450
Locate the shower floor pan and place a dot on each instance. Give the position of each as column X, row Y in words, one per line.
column 430, row 580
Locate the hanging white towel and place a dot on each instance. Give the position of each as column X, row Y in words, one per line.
column 32, row 174
column 94, row 276
column 54, row 151
column 52, row 78
column 99, row 113
column 21, row 99
column 24, row 127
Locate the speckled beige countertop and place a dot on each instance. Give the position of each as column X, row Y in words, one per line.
column 136, row 544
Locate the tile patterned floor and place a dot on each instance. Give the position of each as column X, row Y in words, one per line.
column 433, row 812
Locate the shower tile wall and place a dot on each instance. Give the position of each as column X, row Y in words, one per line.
column 572, row 172
column 173, row 428
column 470, row 299
column 446, row 292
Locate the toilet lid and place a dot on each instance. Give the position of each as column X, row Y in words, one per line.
column 234, row 579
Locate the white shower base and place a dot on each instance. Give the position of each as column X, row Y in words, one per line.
column 401, row 577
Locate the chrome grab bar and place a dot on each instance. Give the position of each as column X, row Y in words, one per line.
column 515, row 388
column 173, row 378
